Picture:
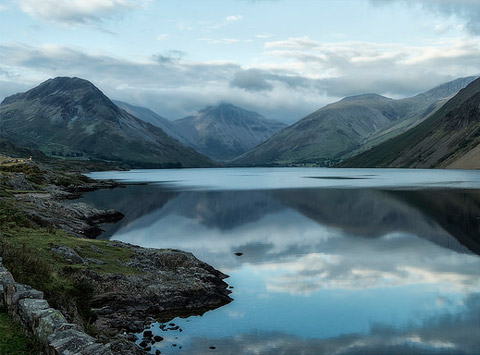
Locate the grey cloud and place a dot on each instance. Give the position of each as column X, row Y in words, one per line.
column 251, row 80
column 172, row 56
column 175, row 87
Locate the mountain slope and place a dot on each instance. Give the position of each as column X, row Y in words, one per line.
column 449, row 138
column 151, row 117
column 348, row 126
column 71, row 117
column 225, row 131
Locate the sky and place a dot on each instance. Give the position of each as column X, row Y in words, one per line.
column 281, row 58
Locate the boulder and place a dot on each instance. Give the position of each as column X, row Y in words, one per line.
column 70, row 255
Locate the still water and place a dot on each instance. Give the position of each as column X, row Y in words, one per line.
column 334, row 261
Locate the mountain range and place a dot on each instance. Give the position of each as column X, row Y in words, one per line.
column 449, row 138
column 221, row 132
column 70, row 117
column 347, row 127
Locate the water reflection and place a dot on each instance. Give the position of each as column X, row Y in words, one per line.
column 445, row 334
column 322, row 271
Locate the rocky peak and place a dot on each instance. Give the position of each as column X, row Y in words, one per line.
column 66, row 92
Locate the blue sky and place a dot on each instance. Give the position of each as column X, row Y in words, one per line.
column 282, row 58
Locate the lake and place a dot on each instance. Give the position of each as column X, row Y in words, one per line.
column 321, row 261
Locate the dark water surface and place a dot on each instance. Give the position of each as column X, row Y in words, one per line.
column 357, row 261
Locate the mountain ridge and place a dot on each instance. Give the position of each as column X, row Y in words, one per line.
column 71, row 117
column 343, row 128
column 222, row 131
column 449, row 138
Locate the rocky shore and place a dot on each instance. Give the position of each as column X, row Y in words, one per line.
column 123, row 288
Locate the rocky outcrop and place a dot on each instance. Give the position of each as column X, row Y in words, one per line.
column 48, row 325
column 167, row 281
column 79, row 219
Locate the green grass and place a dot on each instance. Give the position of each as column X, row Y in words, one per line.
column 27, row 253
column 12, row 339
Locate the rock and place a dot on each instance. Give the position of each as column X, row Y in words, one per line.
column 121, row 345
column 147, row 334
column 212, row 348
column 79, row 219
column 238, row 254
column 166, row 280
column 143, row 344
column 132, row 337
column 95, row 261
column 157, row 338
column 30, row 309
column 69, row 341
column 70, row 255
column 96, row 349
column 49, row 322
column 14, row 292
column 29, row 293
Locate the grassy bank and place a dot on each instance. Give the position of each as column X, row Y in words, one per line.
column 27, row 250
column 28, row 247
column 12, row 339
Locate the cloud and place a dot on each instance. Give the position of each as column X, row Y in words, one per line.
column 251, row 80
column 466, row 10
column 162, row 36
column 297, row 43
column 172, row 56
column 228, row 20
column 290, row 79
column 234, row 18
column 76, row 12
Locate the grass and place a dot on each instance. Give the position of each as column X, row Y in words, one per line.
column 27, row 253
column 12, row 339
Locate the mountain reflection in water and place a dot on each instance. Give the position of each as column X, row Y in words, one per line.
column 323, row 271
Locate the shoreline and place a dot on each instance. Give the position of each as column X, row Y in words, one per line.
column 124, row 288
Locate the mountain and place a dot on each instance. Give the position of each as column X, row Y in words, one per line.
column 151, row 117
column 225, row 131
column 449, row 138
column 221, row 132
column 70, row 117
column 346, row 127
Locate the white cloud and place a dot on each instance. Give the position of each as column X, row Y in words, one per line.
column 234, row 18
column 263, row 35
column 75, row 12
column 297, row 43
column 466, row 10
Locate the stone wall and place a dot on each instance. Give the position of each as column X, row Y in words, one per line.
column 49, row 326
